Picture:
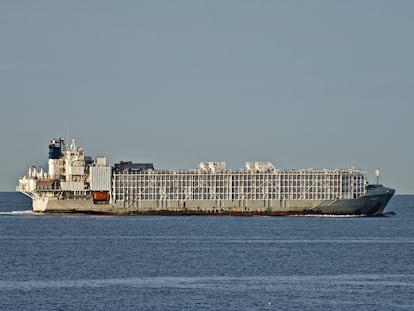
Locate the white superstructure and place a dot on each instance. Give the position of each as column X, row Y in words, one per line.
column 238, row 185
column 68, row 173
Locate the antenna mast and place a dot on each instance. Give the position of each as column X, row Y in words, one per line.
column 377, row 173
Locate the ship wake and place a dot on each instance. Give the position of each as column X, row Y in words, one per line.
column 16, row 213
column 388, row 214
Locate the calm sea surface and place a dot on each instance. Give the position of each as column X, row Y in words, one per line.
column 205, row 263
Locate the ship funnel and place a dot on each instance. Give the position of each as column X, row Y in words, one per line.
column 55, row 148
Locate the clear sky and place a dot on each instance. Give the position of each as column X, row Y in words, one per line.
column 312, row 83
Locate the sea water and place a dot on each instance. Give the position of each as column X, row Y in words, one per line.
column 83, row 262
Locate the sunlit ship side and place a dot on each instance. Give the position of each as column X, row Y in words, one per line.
column 75, row 183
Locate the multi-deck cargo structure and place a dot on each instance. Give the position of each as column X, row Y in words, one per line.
column 76, row 183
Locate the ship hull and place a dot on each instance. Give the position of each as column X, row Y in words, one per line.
column 370, row 204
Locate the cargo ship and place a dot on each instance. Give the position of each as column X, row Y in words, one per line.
column 75, row 183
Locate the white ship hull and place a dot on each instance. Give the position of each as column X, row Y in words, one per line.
column 370, row 204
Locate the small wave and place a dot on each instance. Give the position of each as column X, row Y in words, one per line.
column 330, row 216
column 215, row 282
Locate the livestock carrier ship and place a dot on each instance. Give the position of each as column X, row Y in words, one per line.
column 75, row 183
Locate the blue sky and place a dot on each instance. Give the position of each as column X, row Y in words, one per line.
column 322, row 84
